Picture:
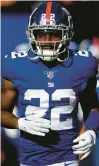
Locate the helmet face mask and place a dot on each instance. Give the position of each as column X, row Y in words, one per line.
column 61, row 34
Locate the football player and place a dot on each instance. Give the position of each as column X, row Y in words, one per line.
column 48, row 82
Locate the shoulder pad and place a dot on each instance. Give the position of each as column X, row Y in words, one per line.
column 87, row 57
column 16, row 54
column 87, row 62
column 10, row 63
column 83, row 53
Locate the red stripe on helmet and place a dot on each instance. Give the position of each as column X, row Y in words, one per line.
column 48, row 11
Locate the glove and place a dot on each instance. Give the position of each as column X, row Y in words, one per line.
column 34, row 125
column 85, row 143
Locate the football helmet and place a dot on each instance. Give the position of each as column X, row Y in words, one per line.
column 49, row 18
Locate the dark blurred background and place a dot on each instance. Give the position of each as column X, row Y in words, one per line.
column 85, row 15
column 14, row 19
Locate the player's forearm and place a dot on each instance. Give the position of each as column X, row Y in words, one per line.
column 83, row 129
column 8, row 120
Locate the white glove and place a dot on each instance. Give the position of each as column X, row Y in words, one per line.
column 34, row 125
column 85, row 143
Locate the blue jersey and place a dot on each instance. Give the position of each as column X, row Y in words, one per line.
column 51, row 93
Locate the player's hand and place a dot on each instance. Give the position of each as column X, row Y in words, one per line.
column 34, row 125
column 85, row 143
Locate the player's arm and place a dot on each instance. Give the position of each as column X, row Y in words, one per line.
column 31, row 124
column 89, row 98
column 8, row 100
column 90, row 106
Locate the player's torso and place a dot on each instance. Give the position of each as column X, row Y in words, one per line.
column 51, row 93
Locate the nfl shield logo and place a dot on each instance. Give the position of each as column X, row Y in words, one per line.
column 50, row 74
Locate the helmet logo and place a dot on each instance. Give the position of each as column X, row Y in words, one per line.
column 43, row 19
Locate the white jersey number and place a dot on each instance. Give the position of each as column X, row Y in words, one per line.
column 56, row 112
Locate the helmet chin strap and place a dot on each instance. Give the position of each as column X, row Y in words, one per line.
column 65, row 59
column 47, row 55
column 46, row 58
column 34, row 57
column 60, row 60
column 50, row 55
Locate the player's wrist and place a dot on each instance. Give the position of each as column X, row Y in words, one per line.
column 93, row 134
column 15, row 123
column 21, row 124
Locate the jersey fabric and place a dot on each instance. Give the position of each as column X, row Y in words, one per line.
column 54, row 91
